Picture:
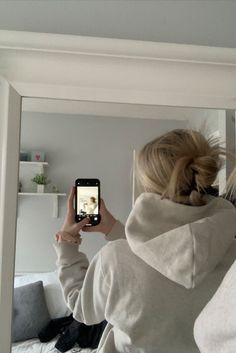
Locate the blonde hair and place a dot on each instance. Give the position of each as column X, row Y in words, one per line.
column 230, row 189
column 180, row 165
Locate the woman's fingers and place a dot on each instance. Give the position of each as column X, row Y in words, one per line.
column 102, row 206
column 82, row 224
column 70, row 200
column 91, row 229
column 70, row 217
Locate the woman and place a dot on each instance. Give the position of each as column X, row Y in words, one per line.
column 154, row 279
column 91, row 206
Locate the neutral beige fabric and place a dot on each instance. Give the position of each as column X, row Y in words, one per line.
column 215, row 327
column 139, row 285
column 184, row 243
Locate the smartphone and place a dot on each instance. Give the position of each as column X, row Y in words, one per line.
column 87, row 201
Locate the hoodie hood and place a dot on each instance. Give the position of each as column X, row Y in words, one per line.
column 184, row 243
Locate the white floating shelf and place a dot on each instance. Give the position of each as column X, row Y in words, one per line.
column 50, row 194
column 33, row 163
column 41, row 194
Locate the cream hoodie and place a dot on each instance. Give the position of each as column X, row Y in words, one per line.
column 151, row 287
column 215, row 327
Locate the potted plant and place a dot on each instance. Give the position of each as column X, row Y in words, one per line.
column 41, row 180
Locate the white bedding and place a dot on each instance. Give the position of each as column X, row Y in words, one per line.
column 35, row 346
column 56, row 306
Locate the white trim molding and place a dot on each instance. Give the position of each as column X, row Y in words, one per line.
column 116, row 70
column 40, row 65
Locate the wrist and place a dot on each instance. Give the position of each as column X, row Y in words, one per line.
column 59, row 236
column 65, row 237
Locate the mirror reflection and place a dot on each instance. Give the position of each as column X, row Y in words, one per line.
column 137, row 291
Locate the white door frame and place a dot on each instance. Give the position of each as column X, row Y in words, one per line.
column 99, row 70
column 10, row 112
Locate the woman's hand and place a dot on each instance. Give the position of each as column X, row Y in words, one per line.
column 107, row 221
column 70, row 231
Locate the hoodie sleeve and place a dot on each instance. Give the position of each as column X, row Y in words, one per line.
column 84, row 287
column 117, row 232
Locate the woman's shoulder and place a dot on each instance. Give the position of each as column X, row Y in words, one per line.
column 115, row 247
column 116, row 253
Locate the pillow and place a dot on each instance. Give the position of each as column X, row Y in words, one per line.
column 52, row 289
column 30, row 312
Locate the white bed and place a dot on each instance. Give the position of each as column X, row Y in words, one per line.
column 35, row 346
column 56, row 308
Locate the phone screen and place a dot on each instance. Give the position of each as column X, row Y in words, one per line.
column 87, row 200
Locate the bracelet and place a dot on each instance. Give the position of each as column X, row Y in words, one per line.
column 63, row 232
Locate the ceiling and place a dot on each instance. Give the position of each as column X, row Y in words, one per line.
column 200, row 22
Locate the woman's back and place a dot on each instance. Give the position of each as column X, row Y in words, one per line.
column 148, row 312
column 179, row 245
column 148, row 304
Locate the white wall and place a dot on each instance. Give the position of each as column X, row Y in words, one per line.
column 201, row 22
column 86, row 146
column 78, row 146
column 206, row 120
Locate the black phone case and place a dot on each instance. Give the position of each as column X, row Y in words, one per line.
column 87, row 182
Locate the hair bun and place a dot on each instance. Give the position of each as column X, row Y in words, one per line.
column 180, row 165
column 196, row 199
column 205, row 170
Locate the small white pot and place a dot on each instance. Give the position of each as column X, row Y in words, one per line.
column 40, row 188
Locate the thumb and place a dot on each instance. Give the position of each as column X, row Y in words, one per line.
column 82, row 223
column 91, row 229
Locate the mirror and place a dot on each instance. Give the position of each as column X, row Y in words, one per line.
column 70, row 139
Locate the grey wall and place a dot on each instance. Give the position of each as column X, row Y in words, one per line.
column 78, row 146
column 206, row 120
column 202, row 22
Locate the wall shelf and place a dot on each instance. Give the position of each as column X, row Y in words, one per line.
column 33, row 163
column 54, row 196
column 41, row 194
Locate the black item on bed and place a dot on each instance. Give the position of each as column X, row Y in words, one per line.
column 72, row 332
column 54, row 327
column 85, row 336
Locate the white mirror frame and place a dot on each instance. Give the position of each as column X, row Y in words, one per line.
column 93, row 69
